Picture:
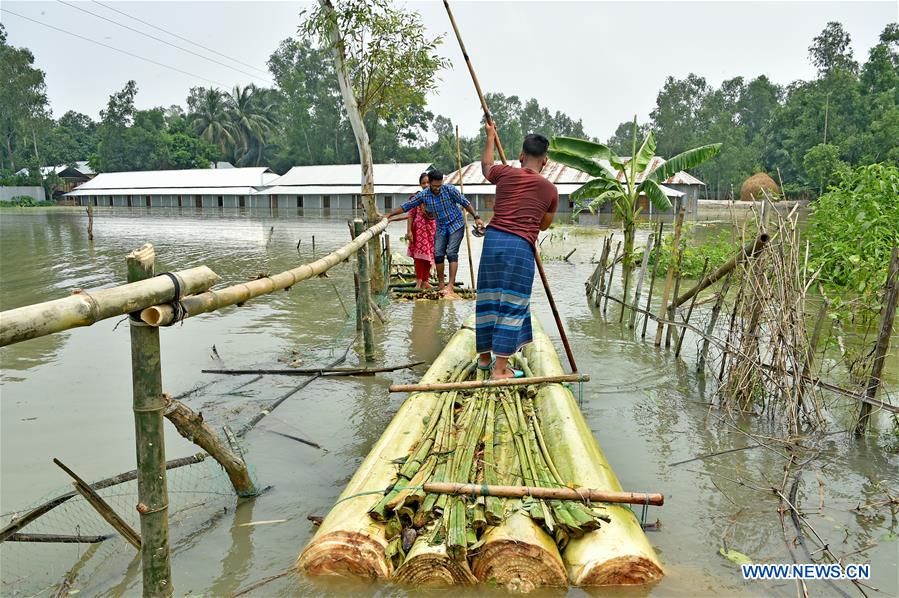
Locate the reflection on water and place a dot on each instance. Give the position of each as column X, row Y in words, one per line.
column 69, row 395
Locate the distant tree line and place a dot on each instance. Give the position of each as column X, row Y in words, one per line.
column 805, row 132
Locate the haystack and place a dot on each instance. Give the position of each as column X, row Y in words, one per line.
column 754, row 188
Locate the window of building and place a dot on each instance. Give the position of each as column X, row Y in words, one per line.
column 180, row 205
column 300, row 201
column 147, row 201
column 221, row 201
column 241, row 201
column 388, row 202
column 326, row 202
column 129, row 201
column 198, row 201
column 110, row 200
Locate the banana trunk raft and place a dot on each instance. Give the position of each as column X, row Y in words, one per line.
column 385, row 526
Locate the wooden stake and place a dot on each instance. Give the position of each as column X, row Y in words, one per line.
column 887, row 315
column 652, row 282
column 640, row 277
column 672, row 310
column 90, row 219
column 666, row 290
column 716, row 311
column 57, row 538
column 102, row 507
column 152, row 492
column 363, row 305
column 579, row 494
column 191, row 426
column 680, row 339
column 473, row 384
column 608, row 285
column 464, row 213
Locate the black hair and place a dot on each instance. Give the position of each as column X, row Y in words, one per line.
column 535, row 145
column 423, row 175
column 436, row 175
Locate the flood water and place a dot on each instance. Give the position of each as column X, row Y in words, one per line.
column 69, row 396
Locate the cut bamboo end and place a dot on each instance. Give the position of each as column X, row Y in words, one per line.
column 520, row 557
column 154, row 315
column 620, row 571
column 345, row 554
column 431, row 567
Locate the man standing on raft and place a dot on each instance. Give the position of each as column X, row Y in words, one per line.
column 525, row 205
column 443, row 201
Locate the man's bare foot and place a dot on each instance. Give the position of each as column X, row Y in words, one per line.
column 448, row 293
column 427, row 285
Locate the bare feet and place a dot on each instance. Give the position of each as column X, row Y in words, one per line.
column 448, row 293
column 426, row 285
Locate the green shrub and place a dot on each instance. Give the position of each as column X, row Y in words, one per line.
column 717, row 248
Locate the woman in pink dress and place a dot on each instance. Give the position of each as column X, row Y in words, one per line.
column 420, row 229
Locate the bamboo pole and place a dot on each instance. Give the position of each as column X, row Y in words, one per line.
column 578, row 494
column 464, row 213
column 713, row 319
column 666, row 290
column 887, row 315
column 356, row 295
column 363, row 304
column 90, row 219
column 102, row 507
column 751, row 250
column 317, row 371
column 162, row 315
column 191, row 426
column 57, row 538
column 672, row 310
column 608, row 285
column 146, row 376
column 638, row 291
column 680, row 338
column 488, row 383
column 83, row 308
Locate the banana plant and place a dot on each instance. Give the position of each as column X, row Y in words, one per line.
column 587, row 157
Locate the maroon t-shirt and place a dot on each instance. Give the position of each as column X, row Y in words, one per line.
column 522, row 198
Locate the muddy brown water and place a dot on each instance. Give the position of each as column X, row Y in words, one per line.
column 69, row 396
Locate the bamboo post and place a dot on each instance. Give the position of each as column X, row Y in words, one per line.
column 666, row 290
column 363, row 306
column 672, row 310
column 640, row 276
column 102, row 507
column 751, row 250
column 888, row 314
column 608, row 285
column 152, row 492
column 90, row 219
column 713, row 319
column 464, row 213
column 816, row 337
column 191, row 426
column 599, row 288
column 680, row 339
column 652, row 282
column 358, row 313
column 578, row 494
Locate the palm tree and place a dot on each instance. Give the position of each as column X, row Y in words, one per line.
column 588, row 157
column 212, row 122
column 251, row 113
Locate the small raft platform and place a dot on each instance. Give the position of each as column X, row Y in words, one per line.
column 384, row 525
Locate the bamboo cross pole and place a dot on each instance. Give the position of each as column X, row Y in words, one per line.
column 751, row 250
column 502, row 154
column 887, row 315
column 102, row 507
column 501, row 383
column 666, row 290
column 57, row 538
column 83, row 308
column 148, row 401
column 363, row 304
column 163, row 315
column 579, row 494
column 474, row 286
column 315, row 371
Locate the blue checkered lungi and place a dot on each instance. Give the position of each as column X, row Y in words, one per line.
column 505, row 278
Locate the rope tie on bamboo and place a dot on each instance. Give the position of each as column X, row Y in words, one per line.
column 178, row 309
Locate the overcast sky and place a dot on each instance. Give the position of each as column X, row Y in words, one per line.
column 599, row 61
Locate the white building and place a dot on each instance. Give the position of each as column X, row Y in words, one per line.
column 201, row 187
column 337, row 186
column 680, row 188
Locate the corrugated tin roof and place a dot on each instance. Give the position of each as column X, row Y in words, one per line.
column 182, row 179
column 563, row 188
column 351, row 174
column 401, row 190
column 559, row 174
column 186, row 191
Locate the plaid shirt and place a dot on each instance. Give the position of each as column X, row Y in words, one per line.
column 449, row 217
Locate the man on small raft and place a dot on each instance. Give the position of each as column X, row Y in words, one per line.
column 525, row 205
column 443, row 201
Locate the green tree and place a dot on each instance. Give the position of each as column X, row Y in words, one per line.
column 831, row 50
column 250, row 110
column 595, row 159
column 822, row 163
column 209, row 115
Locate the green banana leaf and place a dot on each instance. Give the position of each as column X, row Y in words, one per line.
column 685, row 161
column 655, row 194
